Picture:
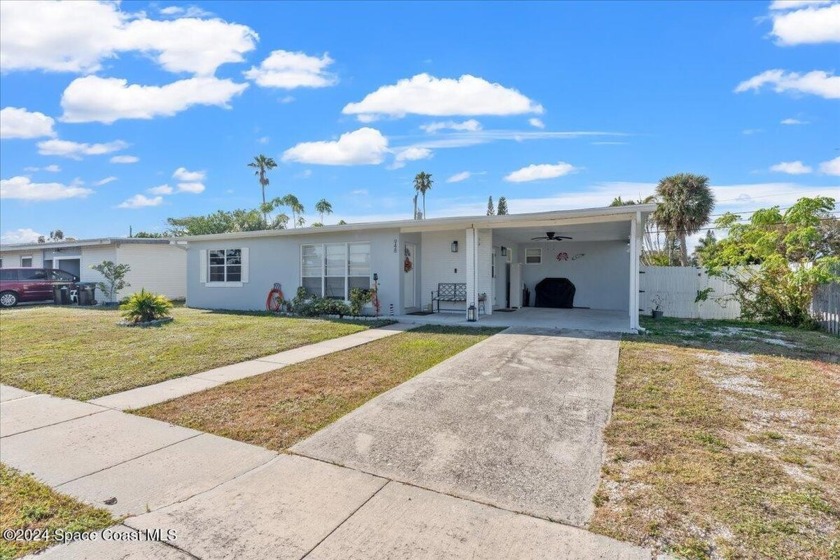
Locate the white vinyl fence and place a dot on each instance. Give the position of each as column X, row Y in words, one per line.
column 678, row 287
column 826, row 307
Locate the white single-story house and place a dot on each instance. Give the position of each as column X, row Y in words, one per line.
column 156, row 264
column 419, row 265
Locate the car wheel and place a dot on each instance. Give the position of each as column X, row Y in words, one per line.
column 8, row 299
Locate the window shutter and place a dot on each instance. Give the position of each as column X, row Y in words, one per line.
column 245, row 252
column 202, row 266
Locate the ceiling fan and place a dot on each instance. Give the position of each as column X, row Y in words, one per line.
column 550, row 236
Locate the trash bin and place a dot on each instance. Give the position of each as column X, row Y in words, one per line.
column 65, row 295
column 57, row 295
column 86, row 294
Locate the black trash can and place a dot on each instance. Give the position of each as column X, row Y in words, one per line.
column 86, row 293
column 57, row 295
column 65, row 295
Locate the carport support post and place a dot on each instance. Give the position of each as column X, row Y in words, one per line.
column 472, row 269
column 635, row 234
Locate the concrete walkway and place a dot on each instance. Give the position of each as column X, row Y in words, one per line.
column 216, row 498
column 174, row 388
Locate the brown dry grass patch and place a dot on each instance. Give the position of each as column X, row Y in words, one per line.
column 280, row 408
column 725, row 446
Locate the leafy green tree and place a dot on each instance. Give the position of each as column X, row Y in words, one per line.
column 148, row 235
column 56, row 235
column 296, row 207
column 223, row 221
column 685, row 204
column 776, row 259
column 491, row 209
column 502, row 209
column 114, row 275
column 423, row 184
column 263, row 164
column 342, row 223
column 323, row 207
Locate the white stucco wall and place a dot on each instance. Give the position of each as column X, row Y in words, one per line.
column 277, row 259
column 601, row 277
column 157, row 268
column 441, row 265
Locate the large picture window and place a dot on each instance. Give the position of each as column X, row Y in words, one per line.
column 332, row 270
column 224, row 265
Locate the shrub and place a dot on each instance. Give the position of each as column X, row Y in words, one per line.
column 114, row 275
column 143, row 306
column 358, row 299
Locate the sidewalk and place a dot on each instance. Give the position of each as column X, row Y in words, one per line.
column 174, row 388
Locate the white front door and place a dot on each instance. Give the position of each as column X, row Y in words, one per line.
column 410, row 276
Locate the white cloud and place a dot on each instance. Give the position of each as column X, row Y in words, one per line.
column 182, row 174
column 751, row 131
column 410, row 154
column 16, row 122
column 791, row 168
column 536, row 123
column 810, row 25
column 22, row 188
column 141, row 201
column 290, row 70
column 161, row 189
column 815, row 82
column 105, row 100
column 831, row 167
column 536, row 172
column 359, row 192
column 426, row 95
column 793, row 121
column 105, row 181
column 470, row 125
column 365, row 146
column 465, row 139
column 458, row 177
column 796, row 4
column 77, row 150
column 286, row 99
column 78, row 36
column 21, row 235
column 124, row 159
column 53, row 168
column 263, row 140
column 189, row 11
column 192, row 188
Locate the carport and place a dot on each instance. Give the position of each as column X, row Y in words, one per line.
column 501, row 263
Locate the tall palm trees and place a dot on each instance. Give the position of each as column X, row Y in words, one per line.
column 323, row 207
column 685, row 203
column 296, row 207
column 422, row 183
column 263, row 164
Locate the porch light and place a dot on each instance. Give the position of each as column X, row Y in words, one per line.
column 471, row 313
column 454, row 246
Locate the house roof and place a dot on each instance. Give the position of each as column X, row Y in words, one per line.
column 558, row 217
column 85, row 243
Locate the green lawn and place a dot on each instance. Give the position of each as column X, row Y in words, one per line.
column 280, row 408
column 81, row 353
column 724, row 442
column 28, row 505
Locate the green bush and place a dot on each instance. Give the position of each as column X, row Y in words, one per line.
column 358, row 299
column 143, row 306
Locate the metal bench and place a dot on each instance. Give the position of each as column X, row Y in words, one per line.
column 450, row 292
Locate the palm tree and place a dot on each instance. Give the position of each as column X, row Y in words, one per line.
column 323, row 207
column 262, row 164
column 491, row 210
column 296, row 207
column 422, row 183
column 503, row 209
column 685, row 203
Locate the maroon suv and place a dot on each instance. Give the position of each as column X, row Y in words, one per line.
column 30, row 284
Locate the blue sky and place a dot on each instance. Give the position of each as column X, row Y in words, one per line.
column 118, row 115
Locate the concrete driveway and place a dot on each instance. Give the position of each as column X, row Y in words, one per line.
column 514, row 422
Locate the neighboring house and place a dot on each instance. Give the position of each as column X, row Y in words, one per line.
column 492, row 255
column 156, row 264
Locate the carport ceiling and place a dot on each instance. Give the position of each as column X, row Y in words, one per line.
column 605, row 231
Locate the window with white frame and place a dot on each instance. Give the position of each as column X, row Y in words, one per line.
column 26, row 262
column 331, row 270
column 225, row 267
column 533, row 256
